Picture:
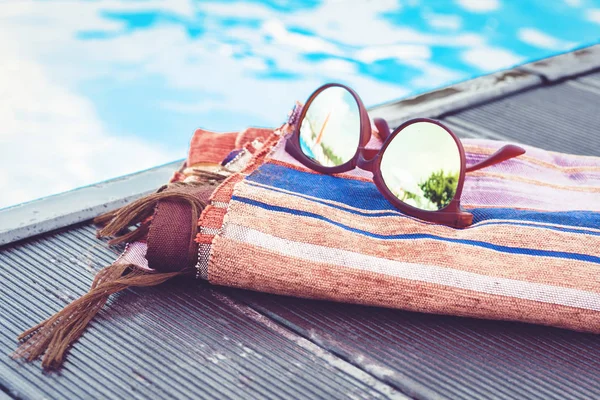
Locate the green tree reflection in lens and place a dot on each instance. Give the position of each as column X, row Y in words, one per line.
column 330, row 129
column 440, row 188
column 421, row 166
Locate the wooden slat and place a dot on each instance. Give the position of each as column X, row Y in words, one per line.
column 430, row 357
column 181, row 340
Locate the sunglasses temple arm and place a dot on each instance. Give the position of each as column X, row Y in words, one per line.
column 382, row 127
column 505, row 153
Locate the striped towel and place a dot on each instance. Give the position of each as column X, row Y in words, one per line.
column 532, row 253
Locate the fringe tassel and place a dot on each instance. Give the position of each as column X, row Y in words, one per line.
column 139, row 211
column 54, row 336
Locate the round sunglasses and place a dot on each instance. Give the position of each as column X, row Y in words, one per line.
column 420, row 169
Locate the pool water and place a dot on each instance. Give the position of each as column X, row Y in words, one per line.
column 91, row 90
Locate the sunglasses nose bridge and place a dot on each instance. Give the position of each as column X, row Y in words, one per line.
column 365, row 160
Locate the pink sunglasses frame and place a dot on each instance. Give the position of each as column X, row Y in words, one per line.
column 370, row 160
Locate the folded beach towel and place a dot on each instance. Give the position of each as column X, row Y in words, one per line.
column 269, row 224
column 532, row 253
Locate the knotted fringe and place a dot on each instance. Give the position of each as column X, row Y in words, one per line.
column 53, row 337
column 141, row 210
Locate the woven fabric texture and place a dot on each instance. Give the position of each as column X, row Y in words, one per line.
column 531, row 254
column 166, row 246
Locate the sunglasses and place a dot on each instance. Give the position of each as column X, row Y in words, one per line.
column 420, row 169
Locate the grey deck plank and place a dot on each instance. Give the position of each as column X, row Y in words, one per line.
column 592, row 79
column 429, row 356
column 564, row 117
column 181, row 340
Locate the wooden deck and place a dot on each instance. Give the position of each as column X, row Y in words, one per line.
column 187, row 339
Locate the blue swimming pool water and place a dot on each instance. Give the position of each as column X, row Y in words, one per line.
column 90, row 90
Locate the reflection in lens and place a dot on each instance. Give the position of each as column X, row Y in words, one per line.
column 421, row 166
column 330, row 129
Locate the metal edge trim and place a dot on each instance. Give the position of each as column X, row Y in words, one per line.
column 458, row 96
column 566, row 65
column 68, row 208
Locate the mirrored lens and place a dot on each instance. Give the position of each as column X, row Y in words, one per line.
column 330, row 129
column 421, row 166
